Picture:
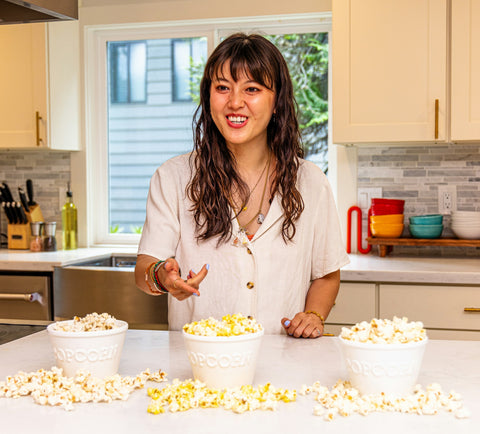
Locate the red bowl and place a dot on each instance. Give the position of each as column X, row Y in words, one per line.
column 379, row 209
column 384, row 201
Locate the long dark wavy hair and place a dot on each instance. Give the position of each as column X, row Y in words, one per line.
column 214, row 166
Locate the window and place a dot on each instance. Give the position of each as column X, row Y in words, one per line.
column 127, row 62
column 188, row 57
column 153, row 74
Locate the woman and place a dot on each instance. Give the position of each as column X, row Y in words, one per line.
column 245, row 203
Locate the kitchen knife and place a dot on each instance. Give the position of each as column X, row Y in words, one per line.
column 21, row 213
column 7, row 194
column 11, row 213
column 7, row 213
column 23, row 199
column 31, row 202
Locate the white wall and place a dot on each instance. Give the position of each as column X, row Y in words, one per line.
column 126, row 11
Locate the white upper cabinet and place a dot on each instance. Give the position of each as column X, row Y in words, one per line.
column 39, row 84
column 465, row 70
column 389, row 71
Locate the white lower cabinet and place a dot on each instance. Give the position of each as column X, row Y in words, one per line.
column 355, row 302
column 448, row 312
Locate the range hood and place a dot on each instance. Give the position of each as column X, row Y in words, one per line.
column 36, row 11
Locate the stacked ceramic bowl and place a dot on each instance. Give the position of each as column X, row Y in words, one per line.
column 466, row 224
column 426, row 226
column 386, row 217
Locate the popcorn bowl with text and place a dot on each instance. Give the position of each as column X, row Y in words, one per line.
column 223, row 361
column 98, row 351
column 383, row 367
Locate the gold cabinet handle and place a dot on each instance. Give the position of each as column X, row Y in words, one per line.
column 38, row 118
column 436, row 119
column 471, row 309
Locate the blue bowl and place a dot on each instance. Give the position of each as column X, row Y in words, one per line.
column 427, row 219
column 426, row 231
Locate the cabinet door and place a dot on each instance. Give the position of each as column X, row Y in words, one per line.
column 465, row 123
column 389, row 68
column 355, row 302
column 22, row 84
column 438, row 307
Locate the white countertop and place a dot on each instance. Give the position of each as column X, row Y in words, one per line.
column 283, row 361
column 24, row 260
column 373, row 268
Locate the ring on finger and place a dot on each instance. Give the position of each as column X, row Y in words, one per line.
column 319, row 332
column 175, row 282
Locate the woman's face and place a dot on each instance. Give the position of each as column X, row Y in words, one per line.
column 241, row 109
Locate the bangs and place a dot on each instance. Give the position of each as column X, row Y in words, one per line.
column 243, row 61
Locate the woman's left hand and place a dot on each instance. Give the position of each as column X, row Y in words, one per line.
column 303, row 325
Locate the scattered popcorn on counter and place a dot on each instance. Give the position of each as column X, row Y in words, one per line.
column 231, row 325
column 384, row 331
column 190, row 394
column 89, row 323
column 345, row 400
column 53, row 388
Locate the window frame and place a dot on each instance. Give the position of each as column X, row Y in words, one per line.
column 96, row 93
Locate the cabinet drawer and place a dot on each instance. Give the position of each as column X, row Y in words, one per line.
column 355, row 302
column 436, row 306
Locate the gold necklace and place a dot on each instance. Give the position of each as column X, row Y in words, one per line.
column 259, row 216
column 244, row 206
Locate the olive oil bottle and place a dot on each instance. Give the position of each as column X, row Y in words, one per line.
column 69, row 222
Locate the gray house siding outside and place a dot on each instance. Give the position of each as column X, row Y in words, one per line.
column 143, row 136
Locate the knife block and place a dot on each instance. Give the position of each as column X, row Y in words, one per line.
column 35, row 214
column 19, row 236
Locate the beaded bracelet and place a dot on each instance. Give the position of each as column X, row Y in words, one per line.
column 156, row 279
column 316, row 313
column 151, row 272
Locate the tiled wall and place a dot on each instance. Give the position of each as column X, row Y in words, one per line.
column 49, row 171
column 414, row 173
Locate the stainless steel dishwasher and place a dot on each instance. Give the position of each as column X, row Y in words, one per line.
column 107, row 285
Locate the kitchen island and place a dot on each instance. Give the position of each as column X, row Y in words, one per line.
column 283, row 361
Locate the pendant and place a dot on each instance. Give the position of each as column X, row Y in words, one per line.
column 260, row 218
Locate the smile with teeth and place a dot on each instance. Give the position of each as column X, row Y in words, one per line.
column 237, row 119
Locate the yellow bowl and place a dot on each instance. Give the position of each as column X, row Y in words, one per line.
column 387, row 218
column 386, row 230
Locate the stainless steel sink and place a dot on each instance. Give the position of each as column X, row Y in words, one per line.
column 107, row 284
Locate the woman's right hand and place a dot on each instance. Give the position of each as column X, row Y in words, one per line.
column 169, row 275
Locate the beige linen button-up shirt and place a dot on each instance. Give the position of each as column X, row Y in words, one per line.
column 265, row 277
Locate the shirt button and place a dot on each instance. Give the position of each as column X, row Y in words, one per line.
column 249, row 251
column 250, row 285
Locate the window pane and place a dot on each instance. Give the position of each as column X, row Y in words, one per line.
column 143, row 136
column 138, row 72
column 118, row 63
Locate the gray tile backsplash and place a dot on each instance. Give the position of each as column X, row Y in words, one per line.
column 49, row 171
column 414, row 173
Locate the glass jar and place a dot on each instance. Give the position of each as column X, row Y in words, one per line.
column 36, row 241
column 49, row 241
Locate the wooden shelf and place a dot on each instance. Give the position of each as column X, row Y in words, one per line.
column 385, row 245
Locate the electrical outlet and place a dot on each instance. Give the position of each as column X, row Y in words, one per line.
column 365, row 195
column 447, row 199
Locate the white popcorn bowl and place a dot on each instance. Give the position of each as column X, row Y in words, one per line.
column 223, row 361
column 389, row 368
column 95, row 351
